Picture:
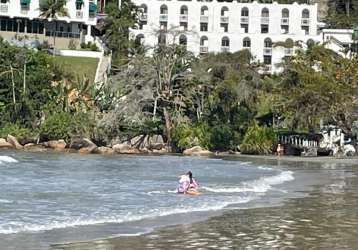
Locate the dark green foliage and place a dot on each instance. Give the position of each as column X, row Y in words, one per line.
column 258, row 140
column 14, row 129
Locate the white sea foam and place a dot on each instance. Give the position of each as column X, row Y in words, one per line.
column 260, row 185
column 5, row 158
column 18, row 227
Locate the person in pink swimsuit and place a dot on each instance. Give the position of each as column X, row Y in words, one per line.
column 186, row 182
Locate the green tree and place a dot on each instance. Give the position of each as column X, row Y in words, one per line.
column 117, row 25
column 52, row 9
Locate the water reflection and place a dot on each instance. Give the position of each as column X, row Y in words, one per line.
column 326, row 219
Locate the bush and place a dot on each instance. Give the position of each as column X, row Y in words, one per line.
column 258, row 140
column 63, row 125
column 223, row 137
column 16, row 130
column 186, row 136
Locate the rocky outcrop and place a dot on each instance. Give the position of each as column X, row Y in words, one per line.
column 34, row 147
column 125, row 149
column 196, row 151
column 58, row 145
column 14, row 142
column 5, row 144
column 89, row 147
column 104, row 150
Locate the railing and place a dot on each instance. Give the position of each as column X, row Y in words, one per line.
column 183, row 18
column 285, row 21
column 224, row 19
column 92, row 16
column 267, row 68
column 267, row 51
column 143, row 17
column 204, row 19
column 4, row 8
column 225, row 49
column 24, row 11
column 265, row 20
column 204, row 49
column 79, row 14
column 62, row 34
column 163, row 17
column 244, row 19
column 305, row 21
column 288, row 51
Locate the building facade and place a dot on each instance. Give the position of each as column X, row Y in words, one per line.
column 21, row 19
column 213, row 26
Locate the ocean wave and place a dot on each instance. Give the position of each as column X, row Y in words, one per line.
column 18, row 227
column 8, row 159
column 260, row 185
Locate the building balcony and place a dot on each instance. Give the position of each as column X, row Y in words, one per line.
column 24, row 11
column 225, row 49
column 163, row 17
column 267, row 51
column 267, row 68
column 4, row 8
column 224, row 19
column 285, row 21
column 305, row 22
column 183, row 18
column 143, row 17
column 204, row 19
column 288, row 51
column 79, row 14
column 265, row 20
column 204, row 49
column 244, row 19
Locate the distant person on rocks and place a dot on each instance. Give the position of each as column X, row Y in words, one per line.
column 280, row 150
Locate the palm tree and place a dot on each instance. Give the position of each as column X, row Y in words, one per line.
column 52, row 9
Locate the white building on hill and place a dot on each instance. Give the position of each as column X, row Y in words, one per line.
column 21, row 19
column 213, row 26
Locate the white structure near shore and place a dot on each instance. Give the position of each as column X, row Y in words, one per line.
column 21, row 19
column 213, row 26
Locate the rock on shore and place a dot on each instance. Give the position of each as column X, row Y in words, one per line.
column 14, row 142
column 196, row 151
column 5, row 144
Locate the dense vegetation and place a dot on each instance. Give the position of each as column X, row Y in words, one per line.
column 218, row 101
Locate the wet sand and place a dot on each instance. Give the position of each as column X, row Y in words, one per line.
column 326, row 217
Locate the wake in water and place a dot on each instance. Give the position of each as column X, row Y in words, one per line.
column 7, row 159
column 261, row 185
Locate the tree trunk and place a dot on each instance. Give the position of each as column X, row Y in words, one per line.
column 168, row 128
column 24, row 80
column 155, row 107
column 13, row 87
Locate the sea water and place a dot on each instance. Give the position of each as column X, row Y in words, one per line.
column 49, row 198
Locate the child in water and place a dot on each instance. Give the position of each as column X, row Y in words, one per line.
column 186, row 183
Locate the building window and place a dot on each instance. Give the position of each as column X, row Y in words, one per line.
column 244, row 11
column 139, row 40
column 305, row 13
column 183, row 26
column 204, row 27
column 163, row 26
column 204, row 41
column 267, row 43
column 265, row 12
column 284, row 29
column 306, row 29
column 285, row 13
column 224, row 27
column 204, row 11
column 264, row 28
column 79, row 4
column 245, row 28
column 162, row 39
column 183, row 40
column 224, row 11
column 246, row 43
column 267, row 60
column 163, row 10
column 225, row 42
column 183, row 10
